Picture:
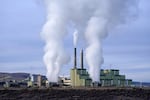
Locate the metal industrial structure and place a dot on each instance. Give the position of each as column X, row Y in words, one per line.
column 79, row 76
column 111, row 77
column 37, row 81
column 64, row 81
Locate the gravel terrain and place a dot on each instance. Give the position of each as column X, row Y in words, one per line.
column 76, row 94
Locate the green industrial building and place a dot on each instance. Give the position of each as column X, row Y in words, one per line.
column 111, row 77
column 108, row 78
column 79, row 76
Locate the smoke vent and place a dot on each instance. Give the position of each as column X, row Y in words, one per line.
column 75, row 58
column 82, row 59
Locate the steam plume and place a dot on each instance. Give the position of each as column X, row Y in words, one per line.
column 75, row 36
column 106, row 16
column 54, row 31
column 93, row 18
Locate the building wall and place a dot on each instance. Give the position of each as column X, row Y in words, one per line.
column 112, row 78
column 65, row 81
column 29, row 83
column 80, row 77
column 39, row 80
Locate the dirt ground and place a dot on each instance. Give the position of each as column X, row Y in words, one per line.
column 76, row 94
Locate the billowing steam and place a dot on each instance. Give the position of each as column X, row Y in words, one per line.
column 75, row 38
column 93, row 19
column 54, row 31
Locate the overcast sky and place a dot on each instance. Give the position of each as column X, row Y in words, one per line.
column 127, row 48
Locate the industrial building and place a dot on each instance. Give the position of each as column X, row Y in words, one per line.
column 64, row 81
column 79, row 76
column 37, row 81
column 111, row 77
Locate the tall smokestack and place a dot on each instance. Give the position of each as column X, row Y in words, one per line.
column 75, row 58
column 82, row 59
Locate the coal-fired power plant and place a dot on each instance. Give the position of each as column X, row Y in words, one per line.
column 92, row 21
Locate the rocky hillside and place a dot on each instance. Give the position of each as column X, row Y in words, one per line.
column 13, row 76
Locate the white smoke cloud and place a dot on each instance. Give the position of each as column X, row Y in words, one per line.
column 93, row 19
column 75, row 36
column 54, row 31
column 107, row 16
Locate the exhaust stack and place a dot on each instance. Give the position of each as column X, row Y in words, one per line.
column 75, row 58
column 82, row 63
